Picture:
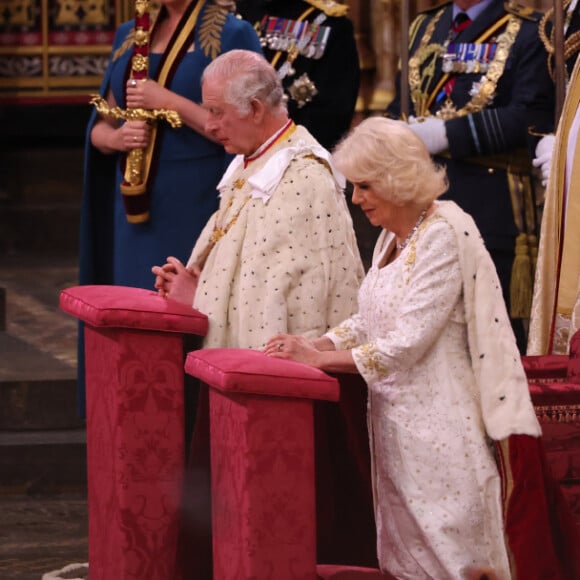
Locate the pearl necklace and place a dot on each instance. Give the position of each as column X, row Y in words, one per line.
column 402, row 245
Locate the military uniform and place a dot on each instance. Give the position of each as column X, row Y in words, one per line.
column 311, row 43
column 482, row 83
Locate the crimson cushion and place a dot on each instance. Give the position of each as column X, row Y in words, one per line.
column 556, row 393
column 237, row 370
column 545, row 367
column 125, row 307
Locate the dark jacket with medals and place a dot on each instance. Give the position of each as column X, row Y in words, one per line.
column 497, row 66
column 322, row 82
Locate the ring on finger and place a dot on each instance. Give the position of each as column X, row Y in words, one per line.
column 133, row 83
column 280, row 346
column 135, row 139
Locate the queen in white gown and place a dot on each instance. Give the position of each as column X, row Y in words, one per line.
column 435, row 482
column 433, row 341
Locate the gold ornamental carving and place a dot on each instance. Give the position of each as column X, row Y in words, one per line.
column 17, row 12
column 82, row 12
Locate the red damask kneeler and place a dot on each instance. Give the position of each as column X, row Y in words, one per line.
column 135, row 427
column 262, row 462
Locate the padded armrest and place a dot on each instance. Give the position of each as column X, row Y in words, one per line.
column 555, row 394
column 236, row 370
column 548, row 367
column 125, row 307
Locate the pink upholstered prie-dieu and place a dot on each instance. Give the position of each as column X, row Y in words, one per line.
column 262, row 462
column 135, row 452
column 125, row 307
column 234, row 370
column 135, row 427
column 265, row 424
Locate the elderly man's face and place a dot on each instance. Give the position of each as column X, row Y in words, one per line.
column 237, row 133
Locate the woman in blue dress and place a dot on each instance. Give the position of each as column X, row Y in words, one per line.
column 184, row 165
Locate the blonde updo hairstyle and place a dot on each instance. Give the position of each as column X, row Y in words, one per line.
column 388, row 156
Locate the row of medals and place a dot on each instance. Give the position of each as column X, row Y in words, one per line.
column 313, row 48
column 468, row 58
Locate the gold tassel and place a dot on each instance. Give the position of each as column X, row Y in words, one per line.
column 526, row 248
column 521, row 280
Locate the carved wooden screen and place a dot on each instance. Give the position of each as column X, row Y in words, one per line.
column 55, row 50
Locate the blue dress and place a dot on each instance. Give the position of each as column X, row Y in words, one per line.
column 182, row 186
column 183, row 177
column 183, row 195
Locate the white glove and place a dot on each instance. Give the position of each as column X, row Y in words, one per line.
column 543, row 159
column 431, row 131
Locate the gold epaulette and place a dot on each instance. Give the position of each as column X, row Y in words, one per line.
column 522, row 11
column 329, row 7
column 414, row 28
column 420, row 18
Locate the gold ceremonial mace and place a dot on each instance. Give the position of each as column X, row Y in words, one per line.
column 134, row 185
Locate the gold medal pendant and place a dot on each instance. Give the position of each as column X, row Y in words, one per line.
column 447, row 111
column 303, row 90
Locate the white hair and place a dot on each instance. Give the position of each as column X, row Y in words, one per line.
column 247, row 76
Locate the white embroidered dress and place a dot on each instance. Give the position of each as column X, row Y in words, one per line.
column 435, row 482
